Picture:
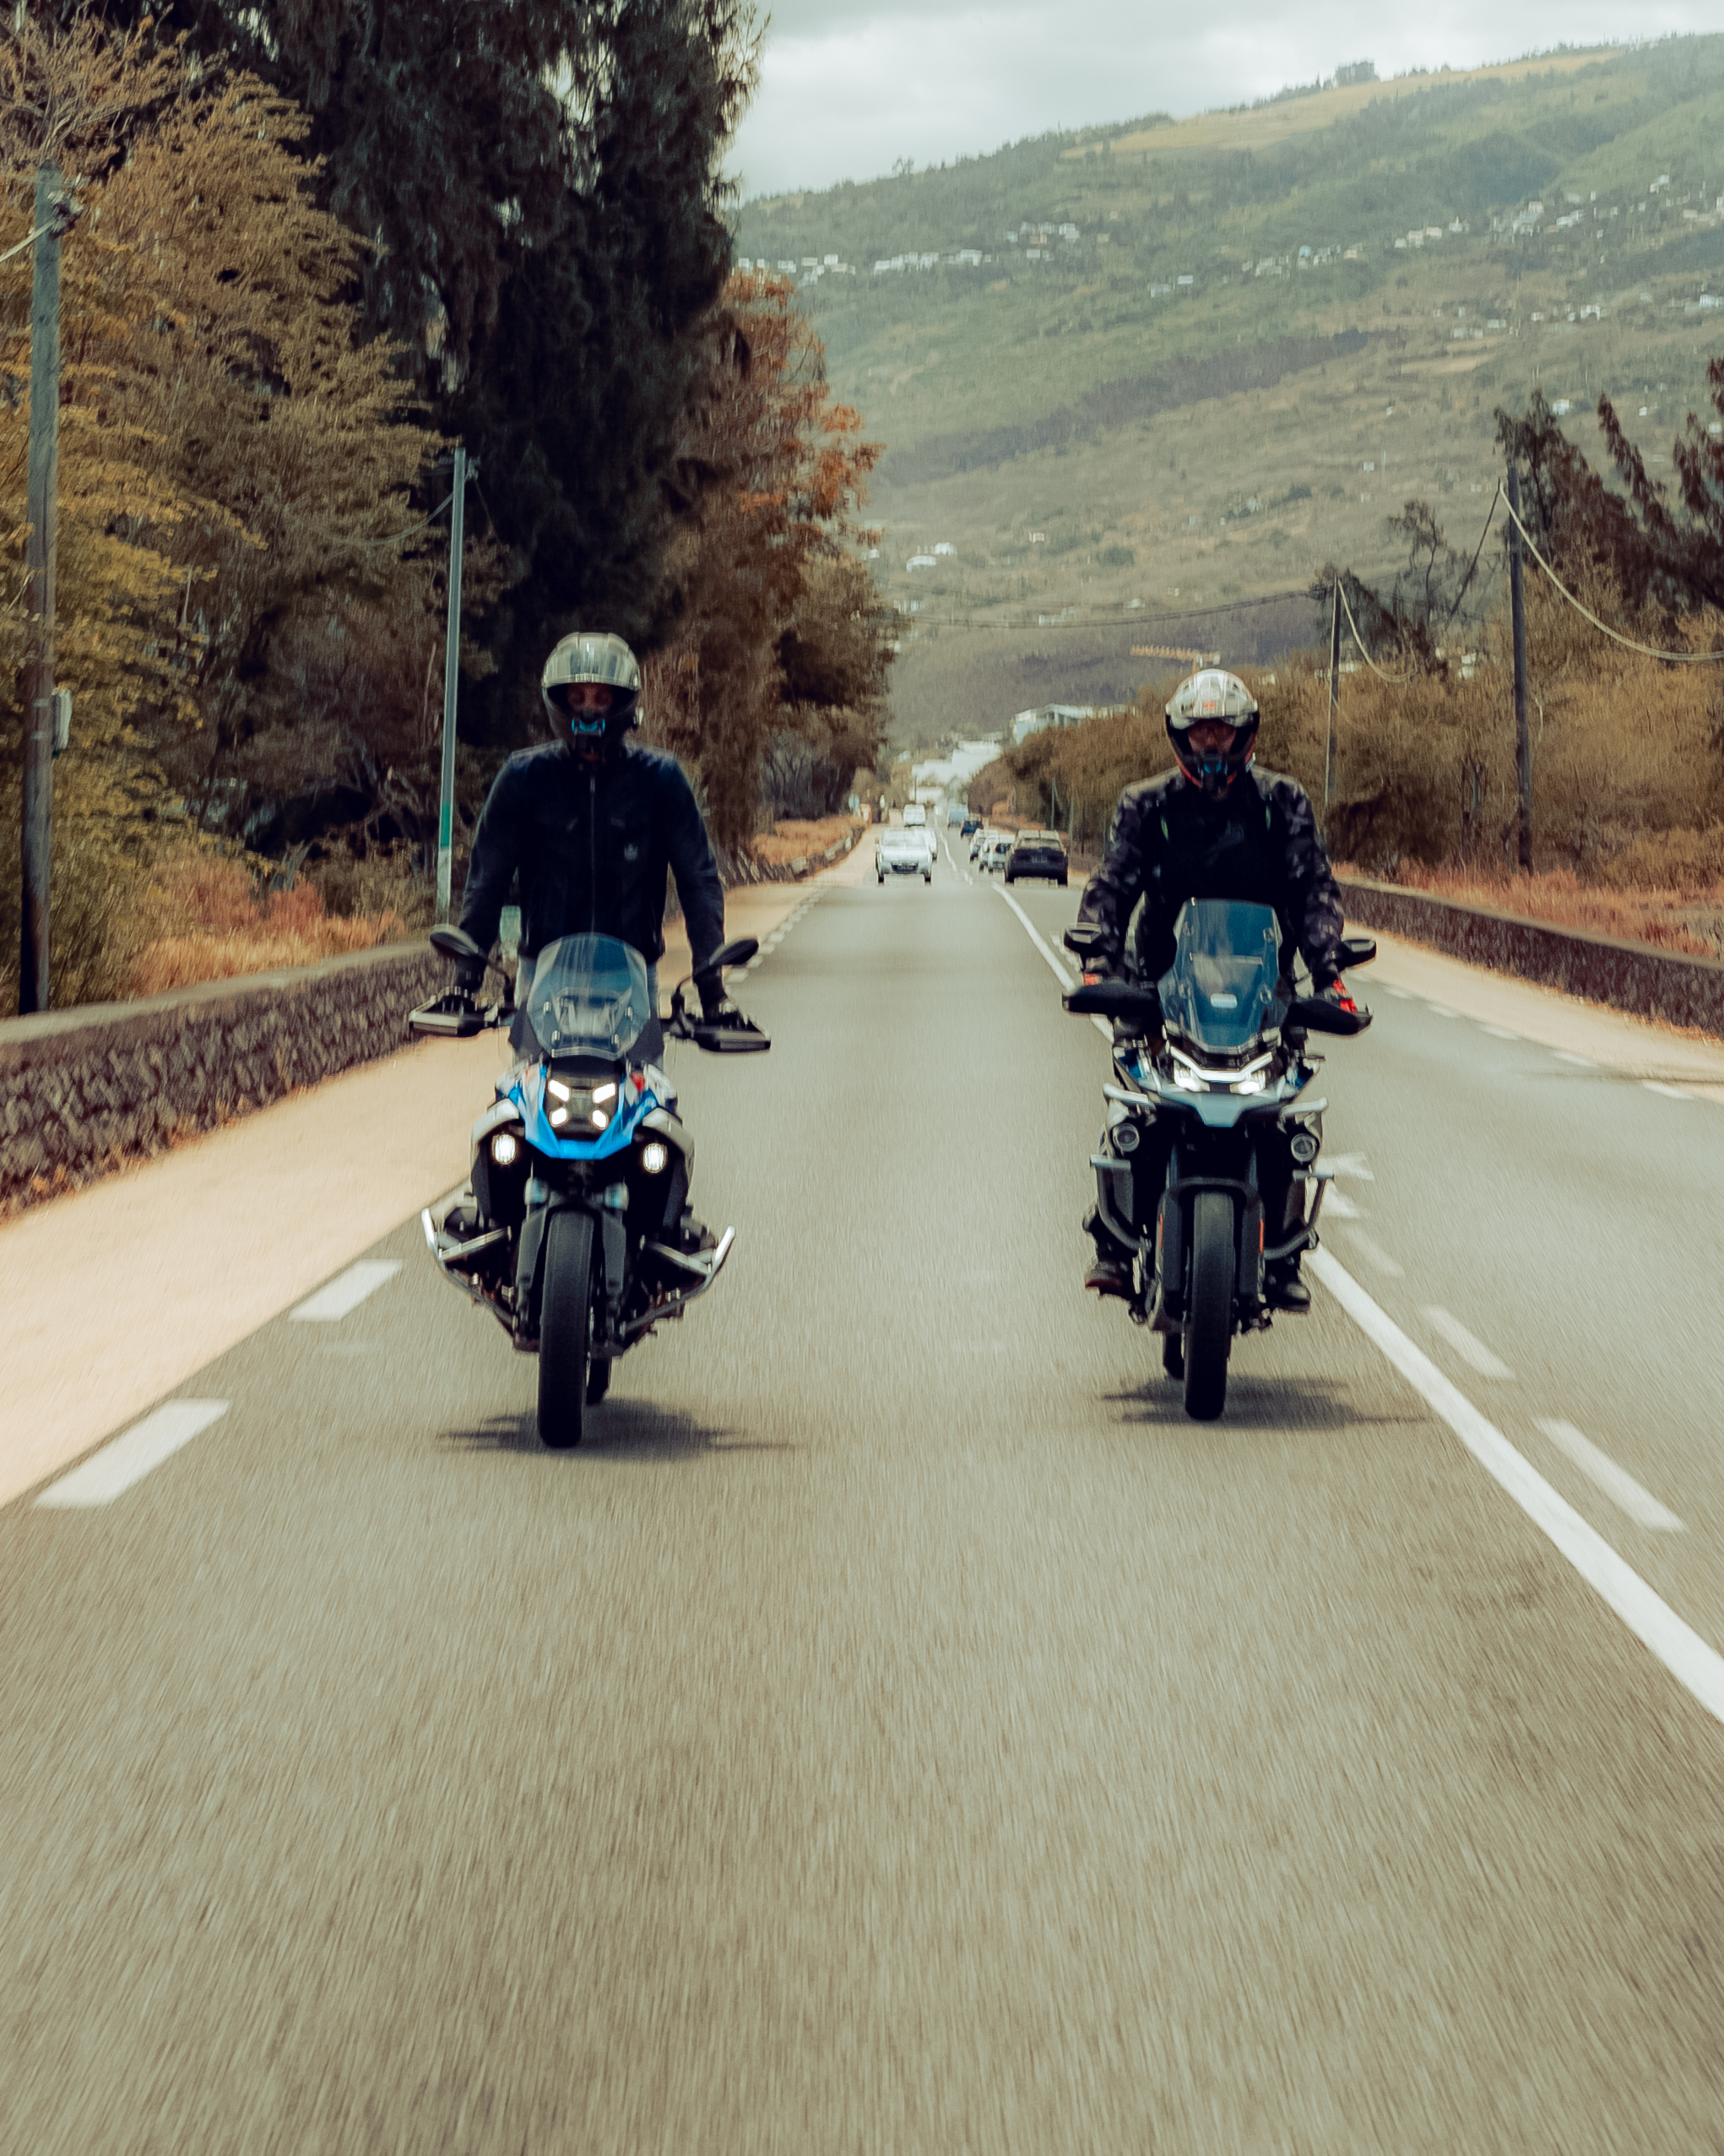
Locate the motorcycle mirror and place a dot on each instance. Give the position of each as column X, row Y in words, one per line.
column 1358, row 950
column 1117, row 999
column 1316, row 1016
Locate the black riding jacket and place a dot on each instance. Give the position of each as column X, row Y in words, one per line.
column 1169, row 843
column 591, row 844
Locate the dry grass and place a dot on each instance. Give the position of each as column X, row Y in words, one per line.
column 788, row 842
column 213, row 924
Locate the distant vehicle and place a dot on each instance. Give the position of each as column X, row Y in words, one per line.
column 915, row 816
column 995, row 849
column 1037, row 853
column 954, row 817
column 971, row 823
column 902, row 853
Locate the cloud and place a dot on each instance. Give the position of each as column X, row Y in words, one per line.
column 850, row 87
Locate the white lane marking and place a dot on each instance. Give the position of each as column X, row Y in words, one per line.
column 1061, row 975
column 1400, row 995
column 1581, row 1062
column 1617, row 1483
column 1374, row 1254
column 1467, row 1345
column 1670, row 1091
column 108, row 1474
column 1350, row 1164
column 1439, row 1010
column 1337, row 1206
column 1035, row 934
column 1677, row 1646
column 346, row 1291
column 1499, row 1032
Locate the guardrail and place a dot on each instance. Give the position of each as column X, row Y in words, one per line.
column 84, row 1091
column 1634, row 977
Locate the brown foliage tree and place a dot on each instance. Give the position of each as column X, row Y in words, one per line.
column 783, row 634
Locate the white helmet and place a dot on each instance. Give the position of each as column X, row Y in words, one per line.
column 1213, row 695
column 589, row 657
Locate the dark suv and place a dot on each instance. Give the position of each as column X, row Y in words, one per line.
column 1037, row 853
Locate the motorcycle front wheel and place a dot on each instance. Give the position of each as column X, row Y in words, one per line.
column 1209, row 1324
column 565, row 1322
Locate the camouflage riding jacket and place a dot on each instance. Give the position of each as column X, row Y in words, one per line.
column 1169, row 843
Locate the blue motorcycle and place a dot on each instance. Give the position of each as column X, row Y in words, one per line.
column 1207, row 1169
column 575, row 1231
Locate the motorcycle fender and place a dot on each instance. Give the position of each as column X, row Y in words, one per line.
column 529, row 1258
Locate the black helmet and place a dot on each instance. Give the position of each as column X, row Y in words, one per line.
column 1215, row 695
column 606, row 661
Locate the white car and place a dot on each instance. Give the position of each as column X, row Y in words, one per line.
column 902, row 853
column 992, row 858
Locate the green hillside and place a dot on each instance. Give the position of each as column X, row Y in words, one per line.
column 1368, row 272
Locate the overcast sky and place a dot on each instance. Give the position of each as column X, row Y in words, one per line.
column 850, row 86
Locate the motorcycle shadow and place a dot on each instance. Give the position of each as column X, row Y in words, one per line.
column 620, row 1429
column 1258, row 1403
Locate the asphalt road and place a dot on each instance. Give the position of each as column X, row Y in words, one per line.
column 900, row 1728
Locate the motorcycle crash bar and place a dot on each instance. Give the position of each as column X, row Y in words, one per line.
column 1306, row 1238
column 705, row 1270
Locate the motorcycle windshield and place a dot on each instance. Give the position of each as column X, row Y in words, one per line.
column 588, row 997
column 1227, row 965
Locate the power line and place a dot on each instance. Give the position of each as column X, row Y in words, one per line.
column 1628, row 643
column 1393, row 679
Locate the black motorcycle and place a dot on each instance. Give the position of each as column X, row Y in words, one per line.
column 575, row 1232
column 1207, row 1166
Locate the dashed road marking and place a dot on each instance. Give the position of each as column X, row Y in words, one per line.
column 1617, row 1483
column 1467, row 1345
column 1338, row 1206
column 1669, row 1092
column 1439, row 1010
column 1579, row 1063
column 1695, row 1666
column 1400, row 995
column 108, row 1474
column 1499, row 1032
column 346, row 1291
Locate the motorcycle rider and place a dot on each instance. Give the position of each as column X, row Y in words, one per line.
column 589, row 822
column 1215, row 826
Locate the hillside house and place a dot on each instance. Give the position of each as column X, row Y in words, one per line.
column 1046, row 716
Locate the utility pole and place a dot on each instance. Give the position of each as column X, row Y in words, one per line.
column 1334, row 692
column 1517, row 611
column 41, row 506
column 452, row 675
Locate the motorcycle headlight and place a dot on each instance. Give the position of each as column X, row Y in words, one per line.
column 655, row 1158
column 1251, row 1083
column 505, row 1149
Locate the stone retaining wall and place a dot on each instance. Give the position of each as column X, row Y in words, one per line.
column 1633, row 977
column 84, row 1091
